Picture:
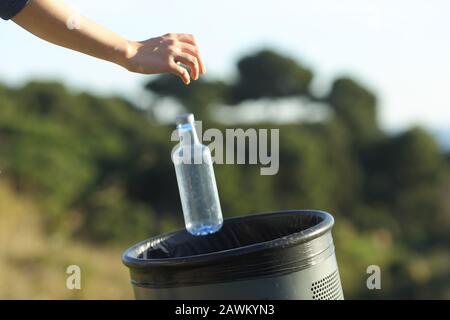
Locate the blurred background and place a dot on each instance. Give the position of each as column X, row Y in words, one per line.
column 359, row 91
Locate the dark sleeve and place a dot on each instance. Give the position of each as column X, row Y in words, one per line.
column 9, row 8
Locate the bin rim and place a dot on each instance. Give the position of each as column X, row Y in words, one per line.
column 129, row 257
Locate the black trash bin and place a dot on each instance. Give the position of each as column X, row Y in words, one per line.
column 279, row 255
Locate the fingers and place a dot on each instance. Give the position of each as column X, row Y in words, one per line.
column 188, row 38
column 188, row 43
column 193, row 50
column 181, row 72
column 191, row 62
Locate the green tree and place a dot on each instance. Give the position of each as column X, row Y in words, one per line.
column 267, row 74
column 197, row 98
column 356, row 106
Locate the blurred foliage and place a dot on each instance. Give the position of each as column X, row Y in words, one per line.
column 98, row 169
column 356, row 107
column 197, row 97
column 33, row 263
column 287, row 77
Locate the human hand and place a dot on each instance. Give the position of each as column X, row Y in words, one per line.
column 164, row 55
column 48, row 19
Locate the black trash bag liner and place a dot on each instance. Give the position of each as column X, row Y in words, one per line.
column 245, row 247
column 235, row 233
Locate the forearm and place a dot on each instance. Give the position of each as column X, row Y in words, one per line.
column 54, row 21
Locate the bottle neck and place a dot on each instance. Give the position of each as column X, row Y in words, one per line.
column 188, row 134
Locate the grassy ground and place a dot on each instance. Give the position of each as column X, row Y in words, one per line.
column 33, row 266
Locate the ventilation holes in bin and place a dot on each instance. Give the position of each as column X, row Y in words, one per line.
column 328, row 288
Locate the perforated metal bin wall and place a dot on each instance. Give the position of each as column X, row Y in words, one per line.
column 278, row 255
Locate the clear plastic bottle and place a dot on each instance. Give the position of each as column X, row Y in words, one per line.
column 196, row 180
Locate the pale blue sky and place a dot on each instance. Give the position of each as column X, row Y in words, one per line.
column 398, row 48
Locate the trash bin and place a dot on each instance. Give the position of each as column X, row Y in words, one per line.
column 278, row 255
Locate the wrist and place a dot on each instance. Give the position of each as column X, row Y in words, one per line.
column 124, row 53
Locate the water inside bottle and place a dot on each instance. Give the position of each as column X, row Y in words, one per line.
column 196, row 181
column 199, row 195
